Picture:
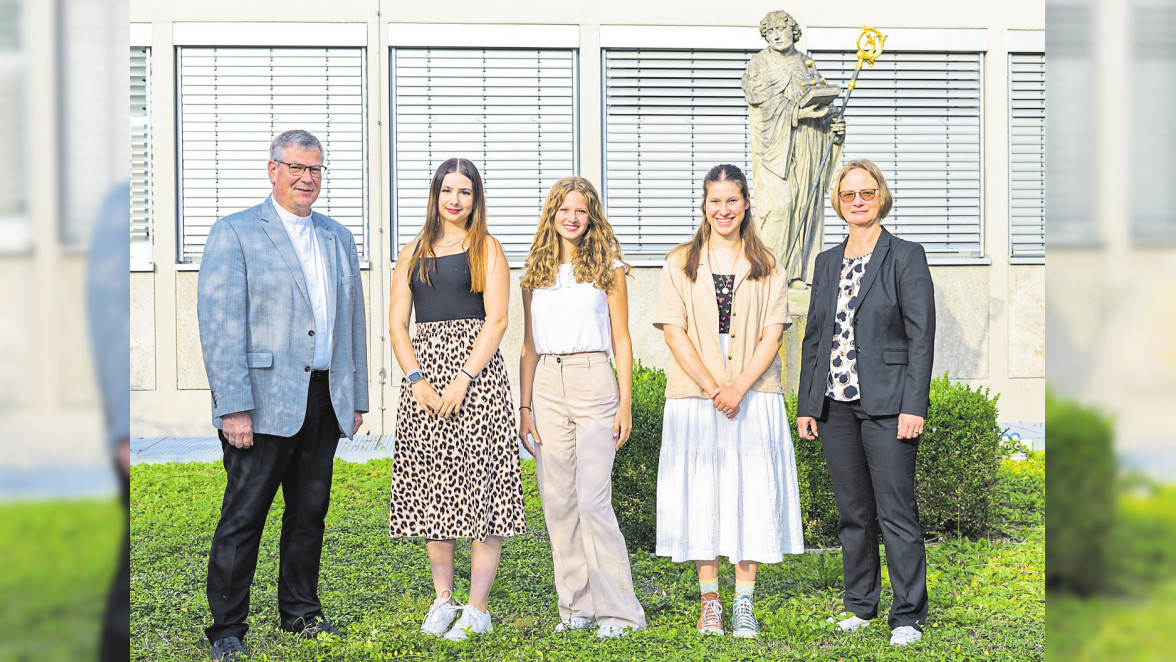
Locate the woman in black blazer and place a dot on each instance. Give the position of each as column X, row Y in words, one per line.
column 864, row 377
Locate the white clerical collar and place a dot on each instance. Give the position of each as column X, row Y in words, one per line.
column 290, row 218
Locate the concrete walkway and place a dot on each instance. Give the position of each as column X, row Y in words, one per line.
column 156, row 450
column 56, row 482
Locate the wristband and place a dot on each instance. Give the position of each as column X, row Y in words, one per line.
column 528, row 408
column 463, row 371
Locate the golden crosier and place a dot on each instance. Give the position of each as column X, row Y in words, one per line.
column 875, row 40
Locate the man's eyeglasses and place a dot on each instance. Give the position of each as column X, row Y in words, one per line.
column 866, row 193
column 297, row 169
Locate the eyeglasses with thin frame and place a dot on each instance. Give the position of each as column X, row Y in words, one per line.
column 297, row 169
column 866, row 193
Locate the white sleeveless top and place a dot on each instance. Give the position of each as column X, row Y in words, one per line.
column 571, row 317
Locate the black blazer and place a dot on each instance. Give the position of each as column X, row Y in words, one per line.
column 894, row 330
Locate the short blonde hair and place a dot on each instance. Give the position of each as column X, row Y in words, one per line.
column 886, row 199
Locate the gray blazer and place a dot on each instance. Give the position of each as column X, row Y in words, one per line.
column 257, row 328
column 893, row 330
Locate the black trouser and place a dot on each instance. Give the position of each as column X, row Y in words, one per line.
column 116, row 626
column 873, row 476
column 302, row 465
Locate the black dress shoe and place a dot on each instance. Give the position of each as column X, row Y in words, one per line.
column 227, row 648
column 312, row 627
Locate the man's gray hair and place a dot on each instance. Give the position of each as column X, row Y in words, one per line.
column 303, row 139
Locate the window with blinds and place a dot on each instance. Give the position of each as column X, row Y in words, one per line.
column 234, row 100
column 141, row 200
column 512, row 112
column 917, row 115
column 1069, row 161
column 14, row 227
column 670, row 115
column 1153, row 86
column 93, row 149
column 1027, row 155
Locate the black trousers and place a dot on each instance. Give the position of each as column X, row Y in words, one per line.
column 873, row 476
column 302, row 465
column 116, row 625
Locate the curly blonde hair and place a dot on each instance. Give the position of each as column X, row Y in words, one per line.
column 598, row 248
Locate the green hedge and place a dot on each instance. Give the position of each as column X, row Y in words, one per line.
column 956, row 471
column 1081, row 497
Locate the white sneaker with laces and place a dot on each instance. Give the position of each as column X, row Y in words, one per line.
column 573, row 623
column 904, row 635
column 852, row 623
column 472, row 621
column 440, row 615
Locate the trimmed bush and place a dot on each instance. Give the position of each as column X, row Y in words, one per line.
column 634, row 476
column 955, row 474
column 1081, row 497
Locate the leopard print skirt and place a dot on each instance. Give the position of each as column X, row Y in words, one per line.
column 456, row 477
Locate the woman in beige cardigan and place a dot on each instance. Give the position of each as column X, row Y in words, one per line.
column 727, row 474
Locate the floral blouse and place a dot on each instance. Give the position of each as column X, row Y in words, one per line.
column 843, row 376
column 724, row 292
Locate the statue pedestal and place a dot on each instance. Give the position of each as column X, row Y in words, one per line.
column 798, row 305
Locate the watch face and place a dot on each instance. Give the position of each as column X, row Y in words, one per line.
column 414, row 376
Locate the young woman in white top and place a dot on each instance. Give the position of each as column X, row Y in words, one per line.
column 573, row 417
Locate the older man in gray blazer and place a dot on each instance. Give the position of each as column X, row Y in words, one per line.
column 284, row 338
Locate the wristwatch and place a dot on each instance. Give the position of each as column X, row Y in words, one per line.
column 414, row 377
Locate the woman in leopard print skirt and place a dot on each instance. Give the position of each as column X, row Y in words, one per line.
column 456, row 467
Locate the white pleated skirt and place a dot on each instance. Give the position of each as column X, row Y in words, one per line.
column 728, row 487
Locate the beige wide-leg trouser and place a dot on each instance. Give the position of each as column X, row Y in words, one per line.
column 574, row 402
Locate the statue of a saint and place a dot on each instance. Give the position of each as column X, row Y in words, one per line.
column 791, row 125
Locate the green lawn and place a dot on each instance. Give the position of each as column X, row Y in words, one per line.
column 56, row 565
column 987, row 597
column 1132, row 619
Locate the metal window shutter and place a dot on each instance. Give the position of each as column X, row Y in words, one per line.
column 13, row 67
column 1152, row 142
column 1069, row 171
column 1027, row 155
column 93, row 147
column 917, row 115
column 141, row 200
column 512, row 112
column 233, row 101
column 670, row 115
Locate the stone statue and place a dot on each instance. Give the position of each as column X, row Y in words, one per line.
column 791, row 125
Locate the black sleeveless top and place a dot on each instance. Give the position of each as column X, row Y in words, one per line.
column 449, row 297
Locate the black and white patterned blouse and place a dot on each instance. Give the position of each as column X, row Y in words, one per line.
column 724, row 293
column 843, row 376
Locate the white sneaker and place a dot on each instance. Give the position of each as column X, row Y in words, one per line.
column 573, row 623
column 850, row 624
column 472, row 621
column 905, row 635
column 612, row 631
column 440, row 615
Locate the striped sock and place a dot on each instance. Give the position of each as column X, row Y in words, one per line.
column 744, row 589
column 708, row 586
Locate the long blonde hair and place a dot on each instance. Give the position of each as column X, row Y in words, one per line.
column 598, row 248
column 757, row 253
column 475, row 224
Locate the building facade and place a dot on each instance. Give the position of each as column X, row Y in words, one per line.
column 641, row 98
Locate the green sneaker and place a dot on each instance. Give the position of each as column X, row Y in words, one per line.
column 742, row 619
